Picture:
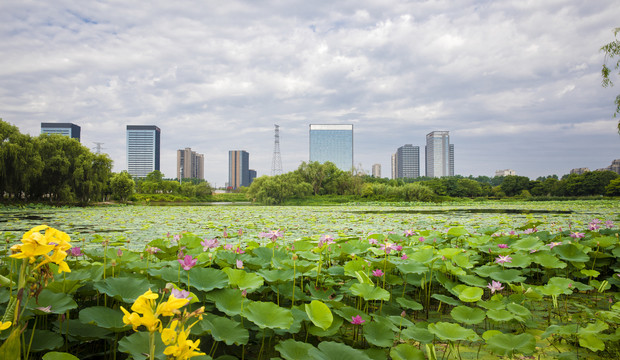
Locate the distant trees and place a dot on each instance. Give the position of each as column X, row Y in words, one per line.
column 154, row 183
column 50, row 167
column 122, row 186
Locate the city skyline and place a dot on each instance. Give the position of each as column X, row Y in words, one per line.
column 517, row 84
column 143, row 150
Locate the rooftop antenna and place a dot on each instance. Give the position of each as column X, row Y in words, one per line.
column 98, row 147
column 276, row 164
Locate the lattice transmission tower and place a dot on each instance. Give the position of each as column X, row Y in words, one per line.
column 276, row 163
column 98, row 147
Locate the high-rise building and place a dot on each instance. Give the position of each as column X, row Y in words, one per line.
column 394, row 166
column 505, row 172
column 376, row 170
column 238, row 169
column 408, row 161
column 67, row 129
column 143, row 144
column 252, row 175
column 439, row 154
column 332, row 143
column 190, row 164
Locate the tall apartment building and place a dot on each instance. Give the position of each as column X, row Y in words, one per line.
column 408, row 161
column 238, row 168
column 394, row 166
column 190, row 164
column 143, row 146
column 376, row 170
column 332, row 143
column 439, row 154
column 66, row 129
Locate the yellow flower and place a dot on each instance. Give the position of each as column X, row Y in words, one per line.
column 184, row 349
column 133, row 319
column 167, row 308
column 169, row 334
column 35, row 244
column 5, row 325
column 145, row 302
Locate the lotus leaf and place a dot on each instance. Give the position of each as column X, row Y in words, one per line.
column 446, row 299
column 370, row 292
column 570, row 252
column 125, row 289
column 425, row 255
column 206, row 279
column 268, row 315
column 508, row 276
column 328, row 350
column 468, row 315
column 457, row 231
column 353, row 266
column 319, row 314
column 509, row 344
column 519, row 310
column 293, row 350
column 470, row 294
column 317, row 331
column 592, row 342
column 452, row 332
column 347, row 312
column 490, row 333
column 406, row 352
column 412, row 267
column 137, row 345
column 409, row 304
column 527, row 243
column 244, row 280
column 104, row 317
column 491, row 304
column 225, row 329
column 77, row 329
column 43, row 340
column 548, row 261
column 59, row 303
column 500, row 315
column 378, row 334
column 228, row 301
column 54, row 355
column 419, row 334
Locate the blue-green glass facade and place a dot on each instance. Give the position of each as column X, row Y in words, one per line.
column 332, row 143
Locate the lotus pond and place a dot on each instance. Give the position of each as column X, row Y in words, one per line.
column 477, row 281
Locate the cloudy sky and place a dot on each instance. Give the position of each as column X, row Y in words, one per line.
column 517, row 83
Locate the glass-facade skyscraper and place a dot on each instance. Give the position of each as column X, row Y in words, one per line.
column 238, row 168
column 142, row 149
column 408, row 161
column 439, row 154
column 332, row 143
column 190, row 164
column 66, row 129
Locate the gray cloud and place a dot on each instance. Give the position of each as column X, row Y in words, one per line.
column 516, row 83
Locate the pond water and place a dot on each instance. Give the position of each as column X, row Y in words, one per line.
column 140, row 224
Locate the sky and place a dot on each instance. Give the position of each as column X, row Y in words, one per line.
column 516, row 83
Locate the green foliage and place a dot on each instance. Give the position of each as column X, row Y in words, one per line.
column 612, row 50
column 122, row 186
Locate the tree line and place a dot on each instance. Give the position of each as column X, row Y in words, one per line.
column 313, row 178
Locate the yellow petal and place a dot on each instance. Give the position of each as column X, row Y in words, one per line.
column 5, row 325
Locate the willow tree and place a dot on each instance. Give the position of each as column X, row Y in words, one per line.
column 612, row 53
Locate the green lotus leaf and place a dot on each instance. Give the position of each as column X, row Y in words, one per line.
column 452, row 332
column 519, row 310
column 592, row 342
column 243, row 280
column 125, row 289
column 449, row 252
column 77, row 329
column 468, row 315
column 228, row 301
column 354, row 265
column 224, row 329
column 277, row 275
column 378, row 334
column 509, row 344
column 412, row 267
column 473, row 280
column 471, row 294
column 104, row 317
column 519, row 261
column 293, row 350
column 490, row 333
column 59, row 303
column 548, row 261
column 167, row 273
column 527, row 243
column 347, row 313
column 590, row 273
column 137, row 345
column 409, row 304
column 507, row 276
column 328, row 350
column 317, row 331
column 491, row 304
column 446, row 299
column 206, row 279
column 268, row 315
column 458, row 231
column 500, row 315
column 363, row 278
column 43, row 340
column 419, row 334
column 54, row 355
column 462, row 260
column 570, row 252
column 65, row 286
column 406, row 352
column 564, row 330
column 370, row 292
column 424, row 256
column 325, row 294
column 319, row 314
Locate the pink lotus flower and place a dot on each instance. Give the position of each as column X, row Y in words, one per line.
column 404, row 257
column 228, row 247
column 325, row 239
column 388, row 247
column 377, row 273
column 512, row 232
column 372, row 241
column 119, row 253
column 495, row 286
column 421, row 239
column 209, row 244
column 503, row 259
column 76, row 251
column 357, row 320
column 181, row 294
column 530, row 231
column 240, row 232
column 409, row 233
column 152, row 250
column 554, row 244
column 188, row 262
column 609, row 224
column 239, row 250
column 593, row 227
column 577, row 235
column 239, row 264
column 176, row 238
column 502, row 246
column 273, row 235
